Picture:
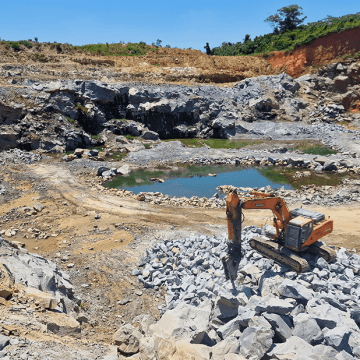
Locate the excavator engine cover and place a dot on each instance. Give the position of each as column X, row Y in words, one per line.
column 297, row 232
column 316, row 216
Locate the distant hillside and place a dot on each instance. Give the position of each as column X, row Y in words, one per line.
column 289, row 40
column 117, row 49
column 114, row 49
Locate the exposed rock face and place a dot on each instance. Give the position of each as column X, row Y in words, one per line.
column 167, row 109
column 44, row 114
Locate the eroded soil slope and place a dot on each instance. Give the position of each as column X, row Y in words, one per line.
column 48, row 62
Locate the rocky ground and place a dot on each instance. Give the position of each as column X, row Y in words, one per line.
column 94, row 237
column 89, row 272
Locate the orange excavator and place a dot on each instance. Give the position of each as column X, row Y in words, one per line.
column 296, row 232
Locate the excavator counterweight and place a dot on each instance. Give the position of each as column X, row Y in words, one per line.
column 296, row 232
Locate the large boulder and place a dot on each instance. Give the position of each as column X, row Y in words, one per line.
column 256, row 340
column 127, row 339
column 4, row 341
column 292, row 289
column 269, row 283
column 150, row 135
column 307, row 328
column 32, row 270
column 273, row 304
column 226, row 307
column 292, row 348
column 280, row 325
column 338, row 338
column 184, row 321
column 101, row 170
column 63, row 325
column 6, row 282
column 226, row 347
column 328, row 316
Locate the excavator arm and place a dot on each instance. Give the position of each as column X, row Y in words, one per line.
column 275, row 204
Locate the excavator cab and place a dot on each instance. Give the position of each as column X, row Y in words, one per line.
column 298, row 232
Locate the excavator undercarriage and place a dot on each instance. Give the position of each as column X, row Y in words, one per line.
column 296, row 232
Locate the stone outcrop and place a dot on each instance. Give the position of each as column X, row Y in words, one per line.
column 32, row 276
column 61, row 115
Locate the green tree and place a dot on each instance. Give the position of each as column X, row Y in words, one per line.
column 287, row 18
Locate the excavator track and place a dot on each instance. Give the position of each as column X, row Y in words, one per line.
column 279, row 254
column 324, row 251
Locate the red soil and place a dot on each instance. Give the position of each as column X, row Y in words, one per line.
column 319, row 52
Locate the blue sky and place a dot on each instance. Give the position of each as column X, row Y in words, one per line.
column 180, row 24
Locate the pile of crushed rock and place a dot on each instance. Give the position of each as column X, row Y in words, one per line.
column 272, row 313
column 19, row 157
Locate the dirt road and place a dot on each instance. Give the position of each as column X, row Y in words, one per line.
column 346, row 225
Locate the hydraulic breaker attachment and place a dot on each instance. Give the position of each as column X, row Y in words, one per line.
column 234, row 214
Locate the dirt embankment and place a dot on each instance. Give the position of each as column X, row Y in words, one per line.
column 169, row 65
column 172, row 65
column 319, row 52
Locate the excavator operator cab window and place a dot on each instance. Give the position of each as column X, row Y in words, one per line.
column 306, row 231
column 297, row 232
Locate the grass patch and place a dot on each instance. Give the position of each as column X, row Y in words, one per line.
column 130, row 137
column 228, row 144
column 313, row 149
column 99, row 148
column 319, row 150
column 215, row 143
column 96, row 137
column 82, row 108
column 285, row 176
column 116, row 156
column 69, row 119
column 116, row 49
column 275, row 176
column 121, row 120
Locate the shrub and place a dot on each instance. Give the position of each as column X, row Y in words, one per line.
column 26, row 44
column 116, row 49
column 15, row 46
column 288, row 40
